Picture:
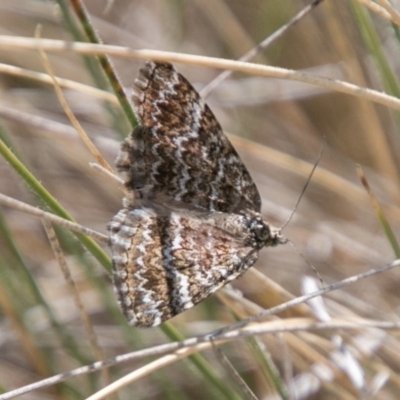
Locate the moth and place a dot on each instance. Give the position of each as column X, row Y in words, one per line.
column 190, row 221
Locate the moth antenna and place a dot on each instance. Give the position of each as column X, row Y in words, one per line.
column 306, row 185
column 307, row 262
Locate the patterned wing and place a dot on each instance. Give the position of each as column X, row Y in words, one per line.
column 165, row 261
column 180, row 150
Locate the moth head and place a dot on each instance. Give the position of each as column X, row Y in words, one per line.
column 263, row 234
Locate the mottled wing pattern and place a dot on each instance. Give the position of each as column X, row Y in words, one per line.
column 166, row 262
column 180, row 150
column 190, row 221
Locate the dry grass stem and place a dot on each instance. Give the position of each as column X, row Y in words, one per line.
column 72, row 226
column 238, row 66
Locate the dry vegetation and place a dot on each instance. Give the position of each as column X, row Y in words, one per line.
column 278, row 128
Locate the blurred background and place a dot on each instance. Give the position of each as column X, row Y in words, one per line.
column 278, row 128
